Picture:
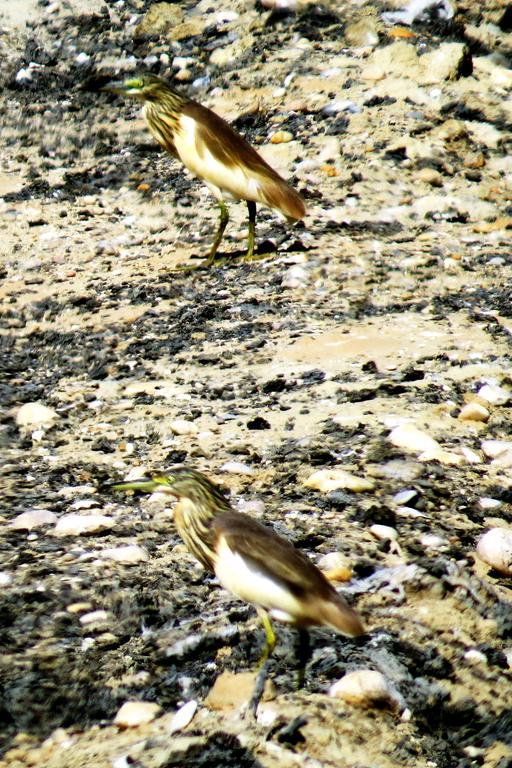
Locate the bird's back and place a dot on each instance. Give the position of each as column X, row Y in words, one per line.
column 213, row 151
column 265, row 569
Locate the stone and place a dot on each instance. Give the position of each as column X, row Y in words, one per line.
column 130, row 554
column 430, row 176
column 328, row 480
column 335, row 567
column 34, row 518
column 383, row 532
column 183, row 427
column 473, row 412
column 32, row 415
column 412, row 438
column 95, row 617
column 495, row 548
column 281, row 137
column 232, row 690
column 367, row 688
column 77, row 525
column 494, row 394
column 135, row 713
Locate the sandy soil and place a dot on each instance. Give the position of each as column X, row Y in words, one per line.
column 390, row 304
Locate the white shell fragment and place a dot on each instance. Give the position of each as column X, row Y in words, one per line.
column 328, row 480
column 34, row 518
column 183, row 717
column 495, row 548
column 367, row 688
column 134, row 713
column 75, row 525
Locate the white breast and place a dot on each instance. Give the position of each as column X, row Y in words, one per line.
column 222, row 182
column 252, row 584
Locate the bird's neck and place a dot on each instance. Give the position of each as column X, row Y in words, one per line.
column 193, row 519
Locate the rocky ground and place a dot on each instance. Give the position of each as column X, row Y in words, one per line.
column 373, row 338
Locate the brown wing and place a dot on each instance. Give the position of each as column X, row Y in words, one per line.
column 271, row 554
column 231, row 149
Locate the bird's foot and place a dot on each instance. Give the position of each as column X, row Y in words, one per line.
column 259, row 688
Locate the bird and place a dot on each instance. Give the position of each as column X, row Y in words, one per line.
column 254, row 563
column 212, row 151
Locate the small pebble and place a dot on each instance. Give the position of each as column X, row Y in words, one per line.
column 403, row 497
column 328, row 480
column 412, row 438
column 487, row 503
column 474, row 412
column 281, row 137
column 475, row 657
column 383, row 532
column 431, row 541
column 128, row 555
column 495, row 549
column 34, row 518
column 5, row 579
column 367, row 688
column 430, row 176
column 84, row 504
column 495, row 448
column 35, row 414
column 494, row 394
column 134, row 713
column 295, row 277
column 335, row 567
column 94, row 617
column 237, row 468
column 184, row 427
column 75, row 525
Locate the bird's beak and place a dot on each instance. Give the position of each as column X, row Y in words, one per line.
column 115, row 86
column 144, row 484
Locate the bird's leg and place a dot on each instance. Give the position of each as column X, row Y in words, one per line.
column 223, row 220
column 251, row 207
column 303, row 652
column 261, row 677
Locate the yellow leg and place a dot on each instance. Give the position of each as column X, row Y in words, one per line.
column 223, row 220
column 251, row 207
column 270, row 644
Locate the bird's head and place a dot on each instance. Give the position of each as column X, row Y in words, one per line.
column 143, row 87
column 181, row 483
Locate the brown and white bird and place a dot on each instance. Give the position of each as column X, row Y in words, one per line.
column 252, row 562
column 214, row 152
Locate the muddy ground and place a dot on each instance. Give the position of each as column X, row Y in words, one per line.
column 390, row 304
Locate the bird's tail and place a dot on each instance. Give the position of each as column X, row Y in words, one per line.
column 339, row 615
column 280, row 196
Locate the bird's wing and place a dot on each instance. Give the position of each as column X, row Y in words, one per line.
column 270, row 554
column 225, row 144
